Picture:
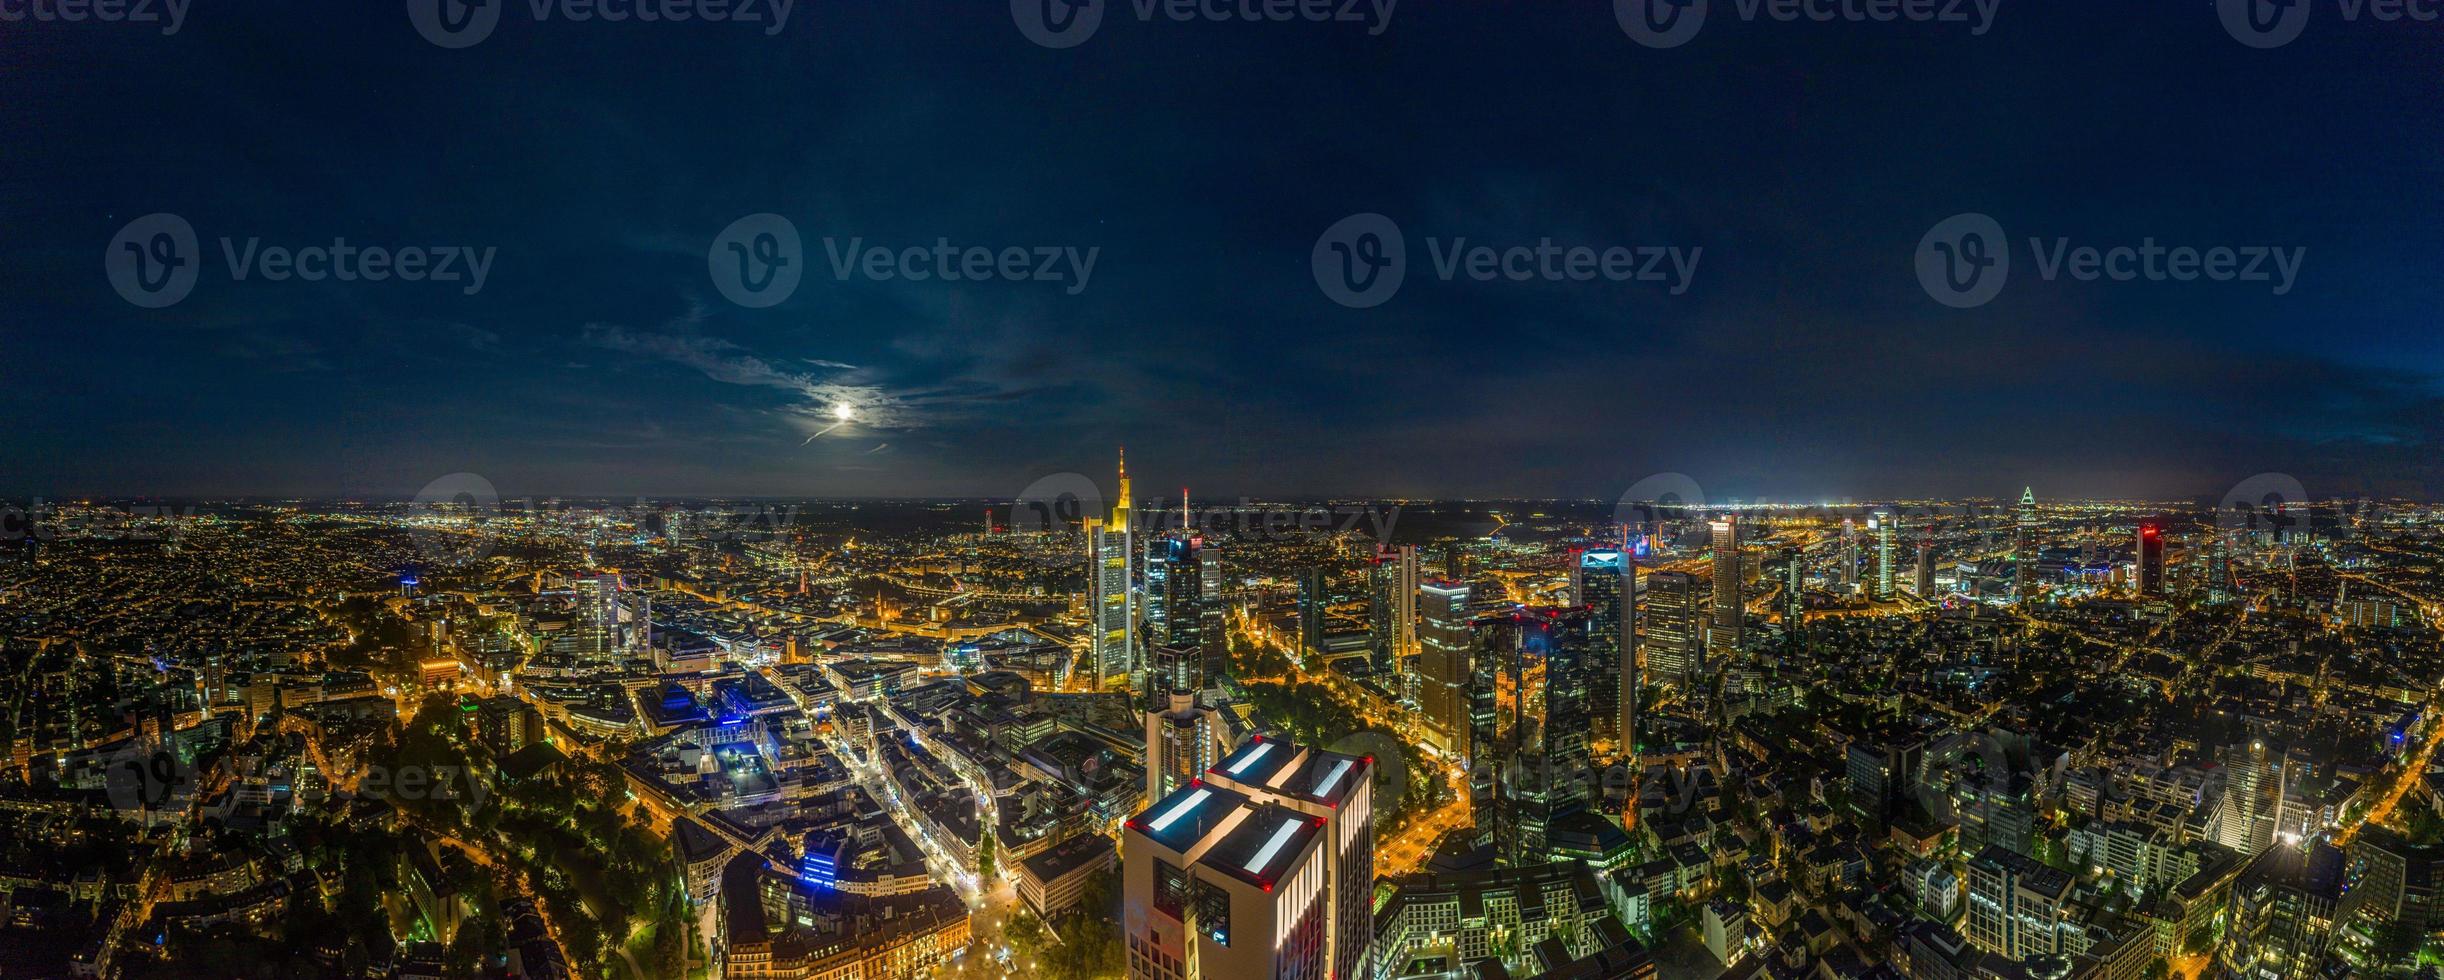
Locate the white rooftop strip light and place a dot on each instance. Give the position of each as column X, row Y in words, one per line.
column 1255, row 865
column 1241, row 766
column 1179, row 810
column 1332, row 778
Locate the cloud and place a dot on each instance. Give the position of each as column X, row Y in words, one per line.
column 817, row 403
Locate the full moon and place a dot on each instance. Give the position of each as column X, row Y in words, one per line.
column 843, row 412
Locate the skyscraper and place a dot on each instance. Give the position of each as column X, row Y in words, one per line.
column 1608, row 583
column 1794, row 594
column 1675, row 652
column 1314, row 596
column 1113, row 643
column 1926, row 563
column 1263, row 867
column 1444, row 639
column 1394, row 606
column 1881, row 523
column 1530, row 745
column 1848, row 579
column 2024, row 547
column 1730, row 613
column 1183, row 738
column 2150, row 559
column 596, row 619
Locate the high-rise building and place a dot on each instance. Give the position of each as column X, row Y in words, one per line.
column 1730, row 612
column 2024, row 548
column 596, row 619
column 1881, row 523
column 1608, row 587
column 2394, row 892
column 1533, row 751
column 1183, row 738
column 1455, row 563
column 2283, row 915
column 1314, row 596
column 1794, row 595
column 1171, row 669
column 2150, row 560
column 1675, row 650
column 1112, row 646
column 1262, row 867
column 1444, row 641
column 1394, row 606
column 1182, row 601
column 2251, row 812
column 2019, row 908
column 1848, row 579
column 1926, row 563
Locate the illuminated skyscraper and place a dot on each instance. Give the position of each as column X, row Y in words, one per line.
column 597, row 615
column 1532, row 751
column 1730, row 612
column 1394, row 607
column 1314, row 595
column 1608, row 584
column 1674, row 647
column 1263, row 867
column 2149, row 565
column 1113, row 644
column 1848, row 579
column 1182, row 603
column 1926, row 564
column 1183, row 738
column 1444, row 640
column 1881, row 524
column 1794, row 594
column 2024, row 548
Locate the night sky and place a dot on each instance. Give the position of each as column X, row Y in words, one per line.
column 1202, row 160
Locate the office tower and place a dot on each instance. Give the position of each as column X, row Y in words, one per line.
column 596, row 618
column 1881, row 523
column 1171, row 669
column 1926, row 563
column 1490, row 647
column 1532, row 749
column 1455, row 563
column 2019, row 908
column 1180, row 601
column 2219, row 585
column 1608, row 585
column 637, row 630
column 2394, row 893
column 1675, row 652
column 1263, row 867
column 1183, row 738
column 1112, row 646
column 2251, row 812
column 1849, row 557
column 2282, row 916
column 2150, row 560
column 2024, row 548
column 1794, row 595
column 1314, row 596
column 1881, row 774
column 1444, row 639
column 1730, row 613
column 1214, row 639
column 1394, row 606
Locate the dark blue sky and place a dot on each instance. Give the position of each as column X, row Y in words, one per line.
column 1805, row 159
